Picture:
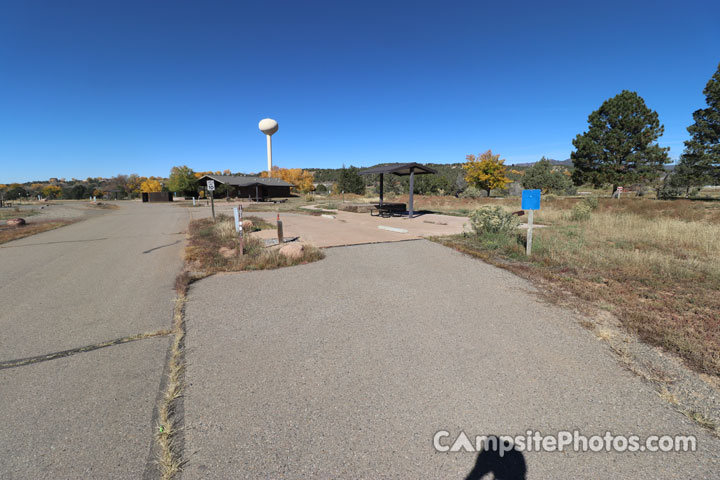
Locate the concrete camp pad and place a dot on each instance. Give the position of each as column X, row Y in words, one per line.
column 348, row 228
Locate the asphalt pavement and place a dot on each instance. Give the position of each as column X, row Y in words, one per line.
column 348, row 367
column 86, row 415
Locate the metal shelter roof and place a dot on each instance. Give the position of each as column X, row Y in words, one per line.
column 398, row 169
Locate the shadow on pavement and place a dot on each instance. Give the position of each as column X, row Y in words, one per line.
column 510, row 466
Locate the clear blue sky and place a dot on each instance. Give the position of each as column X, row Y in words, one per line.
column 96, row 88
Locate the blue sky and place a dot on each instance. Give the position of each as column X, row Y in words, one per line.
column 96, row 88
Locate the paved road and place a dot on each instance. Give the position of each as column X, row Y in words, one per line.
column 347, row 367
column 88, row 415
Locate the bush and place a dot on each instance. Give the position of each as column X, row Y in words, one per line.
column 591, row 202
column 493, row 220
column 667, row 191
column 580, row 212
column 473, row 192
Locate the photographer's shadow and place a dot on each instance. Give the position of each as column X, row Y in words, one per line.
column 511, row 466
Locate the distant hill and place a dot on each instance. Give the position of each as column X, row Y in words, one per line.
column 564, row 163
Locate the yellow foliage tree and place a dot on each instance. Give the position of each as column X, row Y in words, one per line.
column 227, row 172
column 486, row 171
column 150, row 185
column 134, row 183
column 302, row 180
column 52, row 191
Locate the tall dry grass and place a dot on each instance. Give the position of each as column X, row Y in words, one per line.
column 654, row 264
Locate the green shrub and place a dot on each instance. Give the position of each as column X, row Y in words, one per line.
column 591, row 202
column 493, row 220
column 580, row 212
column 473, row 192
column 667, row 191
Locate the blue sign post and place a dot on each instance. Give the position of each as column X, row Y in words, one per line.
column 530, row 202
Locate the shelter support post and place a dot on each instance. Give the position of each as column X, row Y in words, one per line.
column 381, row 188
column 412, row 188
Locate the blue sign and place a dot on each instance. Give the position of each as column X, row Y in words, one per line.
column 531, row 199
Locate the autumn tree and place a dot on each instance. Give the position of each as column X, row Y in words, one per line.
column 700, row 162
column 52, row 191
column 619, row 146
column 150, row 185
column 486, row 171
column 302, row 180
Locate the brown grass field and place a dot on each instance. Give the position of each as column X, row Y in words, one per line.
column 654, row 264
column 8, row 234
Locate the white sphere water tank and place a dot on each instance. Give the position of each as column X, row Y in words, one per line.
column 268, row 126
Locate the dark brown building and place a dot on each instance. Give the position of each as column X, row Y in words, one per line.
column 255, row 188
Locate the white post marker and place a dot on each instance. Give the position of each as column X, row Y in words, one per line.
column 210, row 185
column 238, row 225
column 619, row 190
column 530, row 202
column 193, row 201
column 268, row 126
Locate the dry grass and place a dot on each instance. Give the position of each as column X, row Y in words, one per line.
column 654, row 264
column 169, row 425
column 10, row 212
column 8, row 234
column 207, row 238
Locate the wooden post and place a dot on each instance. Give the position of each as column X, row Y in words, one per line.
column 528, row 247
column 281, row 238
column 212, row 201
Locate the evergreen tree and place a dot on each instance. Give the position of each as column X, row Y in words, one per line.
column 545, row 177
column 700, row 162
column 351, row 181
column 619, row 146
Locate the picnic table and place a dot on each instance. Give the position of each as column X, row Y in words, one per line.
column 386, row 210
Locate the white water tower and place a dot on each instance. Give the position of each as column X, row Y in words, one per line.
column 268, row 126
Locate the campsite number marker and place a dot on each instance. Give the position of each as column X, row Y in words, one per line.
column 238, row 227
column 531, row 202
column 619, row 190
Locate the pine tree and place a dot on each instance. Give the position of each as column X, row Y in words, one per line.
column 619, row 146
column 700, row 162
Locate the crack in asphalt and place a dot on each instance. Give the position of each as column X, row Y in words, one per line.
column 87, row 348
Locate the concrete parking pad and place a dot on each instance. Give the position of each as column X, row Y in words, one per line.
column 347, row 367
column 348, row 228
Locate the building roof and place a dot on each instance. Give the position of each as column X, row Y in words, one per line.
column 398, row 169
column 240, row 181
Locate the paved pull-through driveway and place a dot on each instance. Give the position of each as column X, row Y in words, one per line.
column 88, row 415
column 347, row 367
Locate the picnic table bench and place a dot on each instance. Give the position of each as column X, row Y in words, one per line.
column 388, row 209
